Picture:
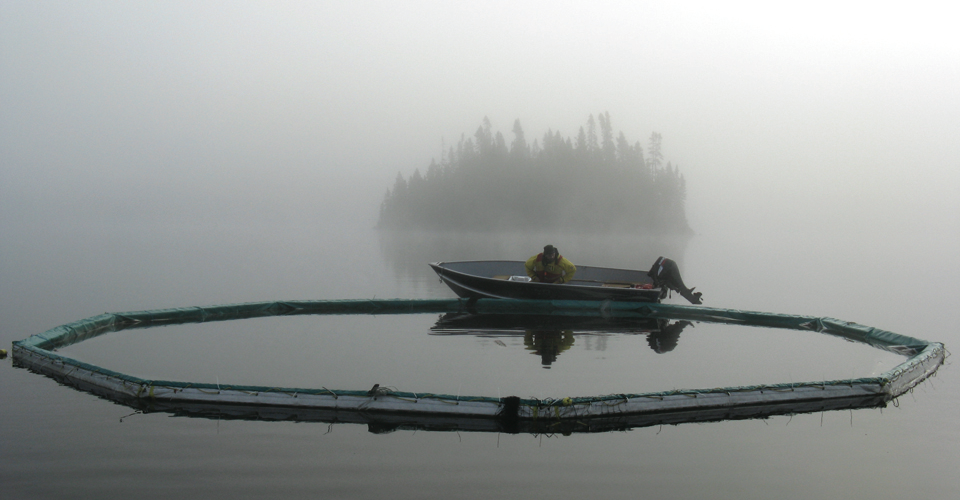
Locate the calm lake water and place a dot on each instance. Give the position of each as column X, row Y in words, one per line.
column 59, row 442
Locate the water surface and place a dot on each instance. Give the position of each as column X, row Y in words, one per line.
column 59, row 440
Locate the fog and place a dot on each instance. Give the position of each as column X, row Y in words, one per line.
column 805, row 117
column 175, row 153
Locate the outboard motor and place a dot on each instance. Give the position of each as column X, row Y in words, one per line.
column 665, row 273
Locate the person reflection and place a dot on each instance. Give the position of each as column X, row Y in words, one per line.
column 665, row 339
column 548, row 344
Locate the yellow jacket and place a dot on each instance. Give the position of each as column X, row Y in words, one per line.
column 560, row 271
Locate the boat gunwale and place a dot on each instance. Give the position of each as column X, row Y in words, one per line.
column 494, row 287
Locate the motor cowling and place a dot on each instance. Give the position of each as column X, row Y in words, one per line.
column 665, row 273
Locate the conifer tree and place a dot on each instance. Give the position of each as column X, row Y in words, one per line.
column 481, row 184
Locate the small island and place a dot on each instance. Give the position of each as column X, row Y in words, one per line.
column 593, row 183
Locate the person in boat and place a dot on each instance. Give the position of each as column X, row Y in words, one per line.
column 550, row 267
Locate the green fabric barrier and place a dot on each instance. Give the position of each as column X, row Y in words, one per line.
column 44, row 343
column 79, row 331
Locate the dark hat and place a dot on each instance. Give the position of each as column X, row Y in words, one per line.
column 550, row 249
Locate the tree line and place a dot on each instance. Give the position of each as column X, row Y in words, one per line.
column 594, row 182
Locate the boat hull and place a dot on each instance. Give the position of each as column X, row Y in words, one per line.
column 490, row 279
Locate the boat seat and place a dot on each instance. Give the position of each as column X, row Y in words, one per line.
column 608, row 285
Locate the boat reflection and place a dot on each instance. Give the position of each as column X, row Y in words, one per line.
column 548, row 335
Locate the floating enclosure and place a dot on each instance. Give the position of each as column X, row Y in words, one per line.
column 385, row 409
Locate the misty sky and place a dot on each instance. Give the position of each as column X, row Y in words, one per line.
column 800, row 116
